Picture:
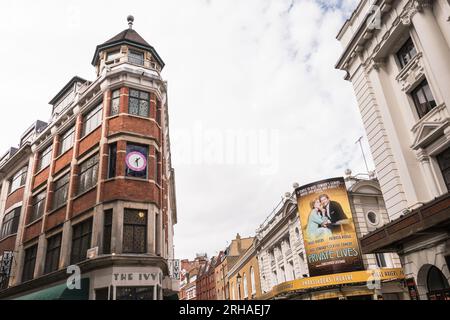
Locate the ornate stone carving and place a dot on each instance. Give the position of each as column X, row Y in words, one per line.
column 414, row 7
column 422, row 156
column 412, row 73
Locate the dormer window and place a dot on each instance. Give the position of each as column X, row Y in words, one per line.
column 406, row 53
column 136, row 57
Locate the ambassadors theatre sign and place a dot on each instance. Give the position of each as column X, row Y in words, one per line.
column 330, row 239
column 368, row 276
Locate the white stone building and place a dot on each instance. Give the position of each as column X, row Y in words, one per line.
column 397, row 56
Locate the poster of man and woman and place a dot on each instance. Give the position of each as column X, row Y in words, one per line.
column 329, row 233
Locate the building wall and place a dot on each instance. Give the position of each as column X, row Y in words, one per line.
column 153, row 194
column 407, row 170
column 244, row 271
column 404, row 146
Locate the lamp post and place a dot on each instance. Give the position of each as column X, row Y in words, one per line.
column 238, row 278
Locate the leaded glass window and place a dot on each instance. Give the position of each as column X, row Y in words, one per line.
column 45, row 157
column 88, row 174
column 92, row 120
column 134, row 293
column 115, row 102
column 61, row 191
column 136, row 57
column 18, row 180
column 67, row 140
column 10, row 223
column 139, row 103
column 135, row 231
column 38, row 205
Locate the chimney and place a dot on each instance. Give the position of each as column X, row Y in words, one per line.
column 239, row 244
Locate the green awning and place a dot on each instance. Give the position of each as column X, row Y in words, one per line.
column 60, row 292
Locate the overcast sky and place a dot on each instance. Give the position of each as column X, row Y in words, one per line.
column 255, row 102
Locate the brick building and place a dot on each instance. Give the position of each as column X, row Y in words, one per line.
column 188, row 277
column 94, row 188
column 206, row 281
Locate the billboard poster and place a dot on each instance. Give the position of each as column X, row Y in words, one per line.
column 329, row 233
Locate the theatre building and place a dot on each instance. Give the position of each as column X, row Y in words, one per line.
column 397, row 57
column 91, row 193
column 283, row 259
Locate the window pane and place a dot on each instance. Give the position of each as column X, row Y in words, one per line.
column 81, row 241
column 29, row 263
column 107, row 228
column 135, row 231
column 112, row 160
column 144, row 108
column 134, row 106
column 92, row 120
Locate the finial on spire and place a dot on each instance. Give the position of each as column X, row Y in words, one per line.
column 130, row 19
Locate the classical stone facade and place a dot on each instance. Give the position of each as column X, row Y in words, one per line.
column 93, row 190
column 397, row 56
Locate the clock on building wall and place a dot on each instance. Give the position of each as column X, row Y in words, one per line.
column 136, row 161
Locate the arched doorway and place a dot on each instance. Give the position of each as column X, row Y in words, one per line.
column 437, row 285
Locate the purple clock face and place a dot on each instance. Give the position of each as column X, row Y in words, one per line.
column 136, row 161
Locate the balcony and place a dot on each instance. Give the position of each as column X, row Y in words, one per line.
column 431, row 217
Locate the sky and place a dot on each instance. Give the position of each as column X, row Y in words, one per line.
column 255, row 102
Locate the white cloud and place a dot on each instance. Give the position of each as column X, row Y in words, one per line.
column 253, row 65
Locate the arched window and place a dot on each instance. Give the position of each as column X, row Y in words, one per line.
column 252, row 280
column 245, row 286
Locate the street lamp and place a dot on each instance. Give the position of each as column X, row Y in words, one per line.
column 238, row 279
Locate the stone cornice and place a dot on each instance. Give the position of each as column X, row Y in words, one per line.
column 363, row 35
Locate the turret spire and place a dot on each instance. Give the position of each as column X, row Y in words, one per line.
column 130, row 19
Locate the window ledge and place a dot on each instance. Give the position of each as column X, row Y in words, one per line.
column 62, row 154
column 84, row 192
column 91, row 132
column 21, row 187
column 33, row 222
column 41, row 170
column 8, row 236
column 57, row 209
